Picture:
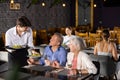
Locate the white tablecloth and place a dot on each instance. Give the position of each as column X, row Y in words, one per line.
column 4, row 56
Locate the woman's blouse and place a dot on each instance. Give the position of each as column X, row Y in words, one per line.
column 83, row 62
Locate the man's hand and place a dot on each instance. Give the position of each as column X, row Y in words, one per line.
column 55, row 64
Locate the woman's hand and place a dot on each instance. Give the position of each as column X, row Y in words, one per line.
column 73, row 71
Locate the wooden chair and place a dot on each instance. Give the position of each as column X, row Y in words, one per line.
column 51, row 31
column 84, row 36
column 93, row 38
column 3, row 37
column 34, row 36
column 118, row 39
column 43, row 36
column 62, row 30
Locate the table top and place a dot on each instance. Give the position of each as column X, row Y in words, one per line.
column 61, row 72
column 38, row 68
column 42, row 78
column 3, row 67
column 64, row 72
column 13, row 75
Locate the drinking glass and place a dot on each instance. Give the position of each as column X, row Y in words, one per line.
column 69, row 65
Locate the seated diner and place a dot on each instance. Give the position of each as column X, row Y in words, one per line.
column 54, row 54
column 106, row 47
column 77, row 60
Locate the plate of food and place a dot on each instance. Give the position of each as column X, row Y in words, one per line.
column 18, row 46
column 14, row 48
column 35, row 55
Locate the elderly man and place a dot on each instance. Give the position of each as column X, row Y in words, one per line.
column 54, row 54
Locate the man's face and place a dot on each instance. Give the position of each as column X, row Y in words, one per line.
column 54, row 41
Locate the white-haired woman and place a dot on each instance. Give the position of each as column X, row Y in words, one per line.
column 81, row 62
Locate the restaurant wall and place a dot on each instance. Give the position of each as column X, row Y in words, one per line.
column 40, row 17
column 106, row 15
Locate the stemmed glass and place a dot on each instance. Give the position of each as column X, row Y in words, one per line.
column 69, row 65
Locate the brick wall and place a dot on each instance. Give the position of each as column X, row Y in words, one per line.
column 40, row 17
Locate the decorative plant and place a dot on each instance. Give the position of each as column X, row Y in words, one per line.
column 2, row 1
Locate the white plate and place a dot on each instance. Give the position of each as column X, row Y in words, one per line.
column 33, row 56
column 43, row 45
column 10, row 50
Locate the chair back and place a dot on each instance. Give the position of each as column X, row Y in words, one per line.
column 107, row 65
column 95, row 62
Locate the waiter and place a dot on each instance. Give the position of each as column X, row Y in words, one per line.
column 17, row 37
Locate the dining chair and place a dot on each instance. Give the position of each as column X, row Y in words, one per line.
column 34, row 31
column 93, row 39
column 107, row 66
column 97, row 65
column 43, row 36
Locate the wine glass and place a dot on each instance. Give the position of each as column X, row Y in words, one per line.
column 69, row 65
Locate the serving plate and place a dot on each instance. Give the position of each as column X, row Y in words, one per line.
column 11, row 49
column 43, row 45
column 34, row 57
column 15, row 48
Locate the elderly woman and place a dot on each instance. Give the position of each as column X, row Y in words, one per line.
column 81, row 62
column 105, row 47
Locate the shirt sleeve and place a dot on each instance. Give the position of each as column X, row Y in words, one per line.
column 90, row 66
column 30, row 38
column 7, row 39
column 42, row 59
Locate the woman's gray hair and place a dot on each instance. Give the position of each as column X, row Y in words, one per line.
column 78, row 42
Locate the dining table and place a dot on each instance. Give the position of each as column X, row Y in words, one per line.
column 14, row 75
column 37, row 69
column 56, row 73
column 42, row 78
column 63, row 74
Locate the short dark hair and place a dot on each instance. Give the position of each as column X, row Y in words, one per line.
column 23, row 21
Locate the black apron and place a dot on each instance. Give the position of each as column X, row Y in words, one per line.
column 18, row 58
